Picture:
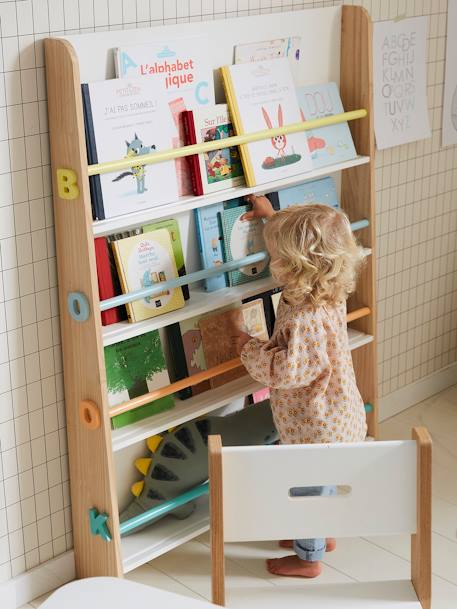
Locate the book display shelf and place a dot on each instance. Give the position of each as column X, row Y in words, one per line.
column 335, row 46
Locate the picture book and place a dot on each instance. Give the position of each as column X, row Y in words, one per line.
column 268, row 308
column 142, row 261
column 106, row 287
column 242, row 238
column 217, row 331
column 275, row 298
column 186, row 350
column 182, row 69
column 270, row 49
column 261, row 395
column 315, row 191
column 327, row 145
column 172, row 227
column 128, row 119
column 218, row 169
column 209, row 236
column 261, row 95
column 211, row 241
column 134, row 367
column 177, row 359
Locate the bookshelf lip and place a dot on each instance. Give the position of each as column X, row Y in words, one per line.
column 125, row 222
column 204, row 403
column 200, row 302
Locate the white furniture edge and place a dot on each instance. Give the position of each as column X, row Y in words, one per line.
column 120, row 224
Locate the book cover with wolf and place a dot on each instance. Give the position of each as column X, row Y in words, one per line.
column 182, row 69
column 130, row 118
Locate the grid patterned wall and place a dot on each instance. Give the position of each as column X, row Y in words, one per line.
column 417, row 218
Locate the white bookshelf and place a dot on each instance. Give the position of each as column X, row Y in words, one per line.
column 86, row 58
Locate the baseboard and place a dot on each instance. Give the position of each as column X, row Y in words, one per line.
column 8, row 595
column 38, row 581
column 414, row 393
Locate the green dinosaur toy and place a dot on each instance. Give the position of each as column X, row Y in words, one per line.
column 178, row 459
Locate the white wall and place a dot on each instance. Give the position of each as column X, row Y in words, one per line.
column 416, row 227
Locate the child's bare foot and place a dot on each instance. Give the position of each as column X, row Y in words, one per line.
column 292, row 566
column 330, row 544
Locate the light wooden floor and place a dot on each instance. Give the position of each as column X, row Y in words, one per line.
column 186, row 569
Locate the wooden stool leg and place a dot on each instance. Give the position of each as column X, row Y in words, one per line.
column 421, row 542
column 216, row 520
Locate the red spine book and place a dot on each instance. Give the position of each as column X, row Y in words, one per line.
column 105, row 281
column 187, row 118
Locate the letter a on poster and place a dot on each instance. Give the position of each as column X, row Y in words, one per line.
column 400, row 87
column 450, row 80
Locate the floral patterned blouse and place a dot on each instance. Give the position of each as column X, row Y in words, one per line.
column 308, row 366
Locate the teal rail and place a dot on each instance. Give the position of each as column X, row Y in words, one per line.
column 158, row 288
column 163, row 508
column 167, row 506
column 359, row 225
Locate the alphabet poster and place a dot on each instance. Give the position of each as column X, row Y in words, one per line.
column 400, row 87
column 449, row 136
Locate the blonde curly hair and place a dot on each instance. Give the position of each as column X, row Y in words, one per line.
column 313, row 254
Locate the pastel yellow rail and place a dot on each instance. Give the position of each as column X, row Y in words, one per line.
column 236, row 140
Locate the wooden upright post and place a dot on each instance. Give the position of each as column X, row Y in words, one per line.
column 89, row 446
column 216, row 520
column 421, row 541
column 358, row 188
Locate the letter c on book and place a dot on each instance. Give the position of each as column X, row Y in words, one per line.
column 67, row 184
column 200, row 96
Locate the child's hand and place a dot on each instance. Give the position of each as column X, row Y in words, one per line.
column 239, row 340
column 261, row 208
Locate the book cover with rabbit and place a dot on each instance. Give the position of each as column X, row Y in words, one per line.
column 130, row 118
column 261, row 95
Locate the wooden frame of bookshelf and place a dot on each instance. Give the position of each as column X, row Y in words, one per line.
column 91, row 442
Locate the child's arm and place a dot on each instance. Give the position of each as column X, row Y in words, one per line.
column 261, row 208
column 297, row 364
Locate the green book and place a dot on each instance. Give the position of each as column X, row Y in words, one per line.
column 242, row 238
column 172, row 227
column 134, row 367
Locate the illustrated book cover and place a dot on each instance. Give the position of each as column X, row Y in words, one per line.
column 217, row 169
column 327, row 145
column 143, row 261
column 128, row 119
column 182, row 69
column 209, row 236
column 134, row 367
column 242, row 238
column 106, row 287
column 315, row 191
column 261, row 95
column 217, row 331
column 172, row 227
column 268, row 308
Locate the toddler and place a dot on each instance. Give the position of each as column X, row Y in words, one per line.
column 307, row 362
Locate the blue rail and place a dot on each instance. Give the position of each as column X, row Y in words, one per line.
column 163, row 508
column 234, row 265
column 359, row 225
column 179, row 281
